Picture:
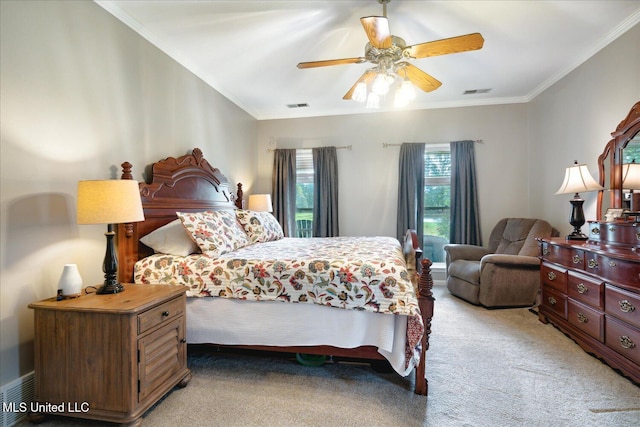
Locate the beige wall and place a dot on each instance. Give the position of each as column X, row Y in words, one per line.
column 573, row 120
column 80, row 94
column 368, row 187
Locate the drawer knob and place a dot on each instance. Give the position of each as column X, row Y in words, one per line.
column 595, row 230
column 577, row 259
column 551, row 275
column 552, row 300
column 165, row 314
column 612, row 229
column 582, row 289
column 582, row 318
column 545, row 251
column 592, row 263
column 627, row 342
column 638, row 236
column 612, row 264
column 626, row 306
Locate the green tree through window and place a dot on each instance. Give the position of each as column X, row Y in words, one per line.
column 437, row 196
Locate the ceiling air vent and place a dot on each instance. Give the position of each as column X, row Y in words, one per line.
column 475, row 91
column 304, row 105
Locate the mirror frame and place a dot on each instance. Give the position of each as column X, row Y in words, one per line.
column 624, row 133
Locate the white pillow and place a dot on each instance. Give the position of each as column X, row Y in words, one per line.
column 171, row 239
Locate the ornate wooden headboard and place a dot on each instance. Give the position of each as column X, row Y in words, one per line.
column 184, row 184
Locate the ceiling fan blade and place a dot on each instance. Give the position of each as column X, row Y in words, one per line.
column 367, row 77
column 377, row 29
column 445, row 46
column 419, row 78
column 328, row 62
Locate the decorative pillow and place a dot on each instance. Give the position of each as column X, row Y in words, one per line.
column 259, row 226
column 171, row 239
column 215, row 232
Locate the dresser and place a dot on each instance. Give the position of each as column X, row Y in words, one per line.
column 109, row 357
column 591, row 292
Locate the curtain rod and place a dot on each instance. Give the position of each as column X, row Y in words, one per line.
column 386, row 144
column 344, row 147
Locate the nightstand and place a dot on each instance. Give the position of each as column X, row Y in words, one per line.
column 110, row 357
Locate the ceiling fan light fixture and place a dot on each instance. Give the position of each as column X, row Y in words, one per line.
column 382, row 83
column 404, row 94
column 373, row 101
column 408, row 90
column 360, row 92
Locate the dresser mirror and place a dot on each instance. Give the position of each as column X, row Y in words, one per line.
column 623, row 148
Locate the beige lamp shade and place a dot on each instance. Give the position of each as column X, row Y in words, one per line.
column 113, row 201
column 260, row 203
column 577, row 179
column 631, row 176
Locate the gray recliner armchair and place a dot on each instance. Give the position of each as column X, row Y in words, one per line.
column 504, row 274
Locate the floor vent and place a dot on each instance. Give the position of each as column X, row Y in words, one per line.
column 16, row 399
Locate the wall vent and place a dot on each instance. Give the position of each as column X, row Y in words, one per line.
column 13, row 394
column 475, row 91
column 302, row 105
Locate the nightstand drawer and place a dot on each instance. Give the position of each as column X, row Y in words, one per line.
column 554, row 301
column 586, row 289
column 586, row 319
column 151, row 318
column 554, row 276
column 623, row 339
column 623, row 305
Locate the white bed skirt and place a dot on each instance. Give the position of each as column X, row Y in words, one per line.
column 272, row 323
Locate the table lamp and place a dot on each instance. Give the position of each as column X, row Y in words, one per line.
column 577, row 179
column 260, row 203
column 631, row 182
column 109, row 202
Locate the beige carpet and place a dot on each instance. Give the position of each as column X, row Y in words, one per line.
column 485, row 368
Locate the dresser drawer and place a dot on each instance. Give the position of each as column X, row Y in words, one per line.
column 585, row 289
column 151, row 318
column 586, row 319
column 622, row 304
column 569, row 257
column 613, row 269
column 618, row 233
column 622, row 338
column 554, row 301
column 554, row 276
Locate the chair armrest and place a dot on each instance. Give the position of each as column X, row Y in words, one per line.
column 468, row 252
column 510, row 260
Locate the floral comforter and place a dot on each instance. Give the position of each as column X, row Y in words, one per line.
column 358, row 273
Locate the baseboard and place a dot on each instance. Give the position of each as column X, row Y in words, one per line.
column 16, row 398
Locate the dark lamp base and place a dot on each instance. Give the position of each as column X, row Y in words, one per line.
column 577, row 236
column 112, row 288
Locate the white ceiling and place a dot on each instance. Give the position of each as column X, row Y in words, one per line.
column 248, row 50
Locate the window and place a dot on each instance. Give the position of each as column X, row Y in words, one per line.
column 437, row 196
column 304, row 192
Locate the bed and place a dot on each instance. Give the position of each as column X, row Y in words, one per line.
column 317, row 296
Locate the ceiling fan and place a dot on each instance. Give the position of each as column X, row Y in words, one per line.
column 389, row 54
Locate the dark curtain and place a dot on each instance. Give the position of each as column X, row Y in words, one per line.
column 283, row 184
column 411, row 191
column 465, row 211
column 325, row 192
